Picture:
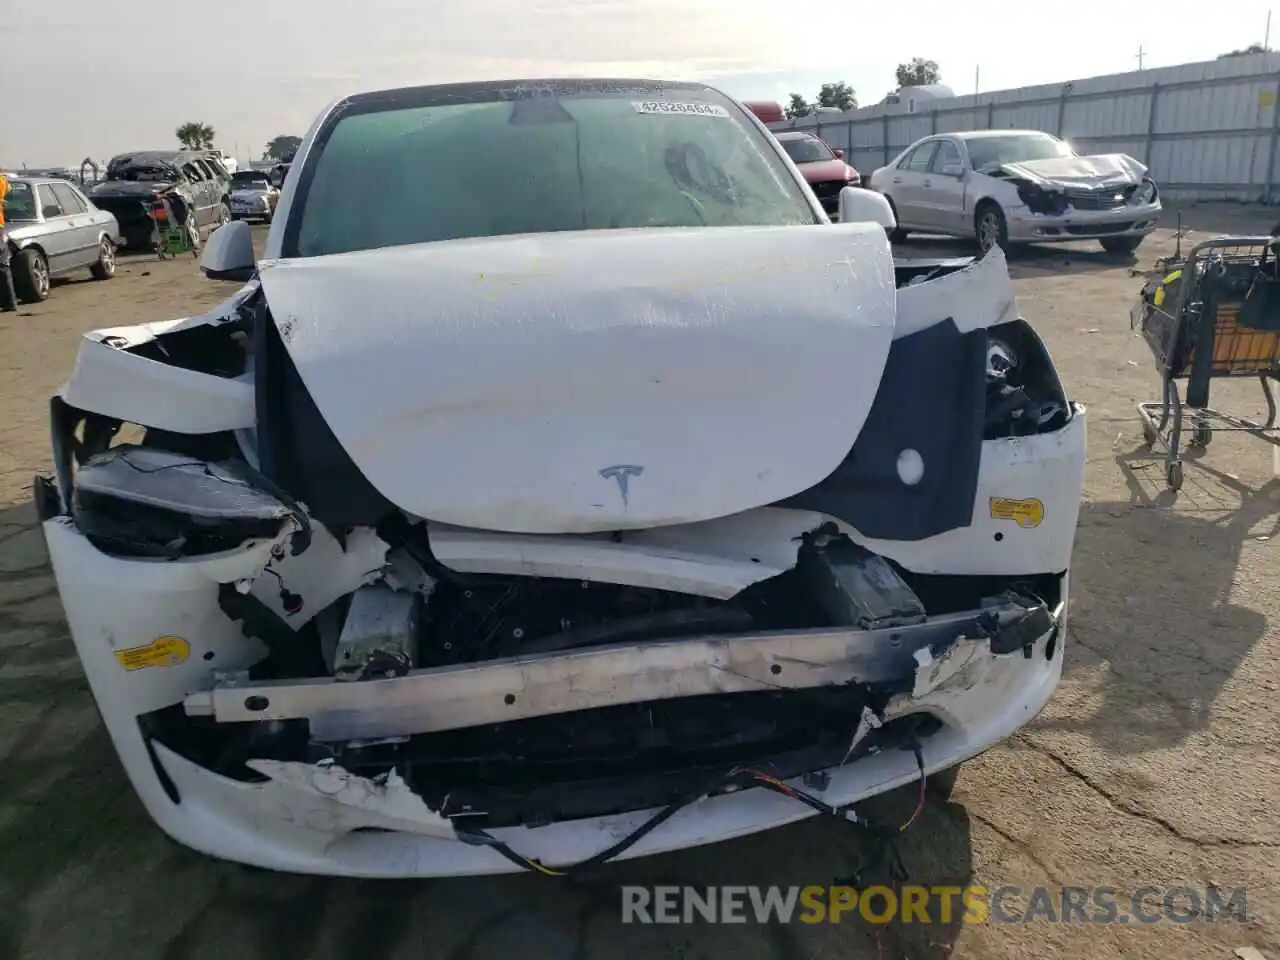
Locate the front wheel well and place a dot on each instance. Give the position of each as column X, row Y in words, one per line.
column 984, row 204
column 33, row 245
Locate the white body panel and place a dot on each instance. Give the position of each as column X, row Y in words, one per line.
column 486, row 384
column 701, row 361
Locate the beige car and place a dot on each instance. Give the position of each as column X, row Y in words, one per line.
column 1007, row 187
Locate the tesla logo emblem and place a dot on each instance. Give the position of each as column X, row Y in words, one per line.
column 622, row 474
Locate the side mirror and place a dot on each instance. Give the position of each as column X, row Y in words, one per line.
column 952, row 170
column 50, row 212
column 858, row 205
column 228, row 254
column 839, row 153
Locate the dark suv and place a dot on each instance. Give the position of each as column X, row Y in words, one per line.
column 135, row 180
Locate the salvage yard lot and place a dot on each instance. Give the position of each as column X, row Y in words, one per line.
column 1157, row 762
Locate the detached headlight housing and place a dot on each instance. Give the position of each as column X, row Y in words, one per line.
column 1146, row 192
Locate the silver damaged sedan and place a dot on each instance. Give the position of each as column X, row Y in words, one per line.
column 1018, row 186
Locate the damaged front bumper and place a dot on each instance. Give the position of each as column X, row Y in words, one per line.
column 1130, row 220
column 975, row 676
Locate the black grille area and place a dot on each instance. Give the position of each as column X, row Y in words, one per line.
column 1108, row 198
column 828, row 189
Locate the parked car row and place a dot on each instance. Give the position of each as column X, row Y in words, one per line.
column 57, row 226
column 997, row 187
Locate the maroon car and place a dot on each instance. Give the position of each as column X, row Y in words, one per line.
column 823, row 167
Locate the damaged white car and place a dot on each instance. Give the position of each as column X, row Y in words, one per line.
column 1004, row 187
column 561, row 485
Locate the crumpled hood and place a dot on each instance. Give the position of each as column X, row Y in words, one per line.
column 1100, row 170
column 594, row 381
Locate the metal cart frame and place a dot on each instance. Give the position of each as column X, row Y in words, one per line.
column 173, row 239
column 1229, row 350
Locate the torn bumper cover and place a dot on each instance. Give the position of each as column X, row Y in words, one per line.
column 964, row 681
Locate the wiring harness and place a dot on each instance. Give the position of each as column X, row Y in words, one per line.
column 740, row 777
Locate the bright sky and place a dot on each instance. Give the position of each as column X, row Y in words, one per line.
column 79, row 78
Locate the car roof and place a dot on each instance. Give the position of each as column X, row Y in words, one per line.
column 566, row 85
column 36, row 180
column 170, row 157
column 985, row 134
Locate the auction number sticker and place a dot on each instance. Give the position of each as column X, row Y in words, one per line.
column 672, row 108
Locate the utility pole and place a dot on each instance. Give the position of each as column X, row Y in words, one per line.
column 1141, row 56
column 977, row 72
column 1266, row 35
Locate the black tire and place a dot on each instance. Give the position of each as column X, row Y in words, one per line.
column 1121, row 246
column 1173, row 476
column 990, row 228
column 105, row 268
column 1202, row 437
column 897, row 235
column 31, row 276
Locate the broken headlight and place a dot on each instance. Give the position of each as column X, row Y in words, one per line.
column 1039, row 200
column 1024, row 395
column 1146, row 193
column 142, row 502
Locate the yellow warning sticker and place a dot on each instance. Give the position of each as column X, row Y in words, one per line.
column 160, row 652
column 1027, row 513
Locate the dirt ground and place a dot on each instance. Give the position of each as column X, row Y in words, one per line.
column 1157, row 762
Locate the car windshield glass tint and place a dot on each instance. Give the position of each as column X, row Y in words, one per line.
column 20, row 204
column 596, row 160
column 994, row 151
column 807, row 150
column 258, row 182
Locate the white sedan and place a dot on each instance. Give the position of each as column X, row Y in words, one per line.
column 1018, row 186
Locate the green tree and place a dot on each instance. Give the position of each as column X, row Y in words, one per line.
column 282, row 147
column 194, row 135
column 839, row 95
column 918, row 73
column 798, row 107
column 1247, row 51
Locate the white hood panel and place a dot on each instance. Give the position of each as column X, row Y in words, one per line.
column 580, row 382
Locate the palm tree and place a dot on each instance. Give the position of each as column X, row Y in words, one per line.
column 195, row 135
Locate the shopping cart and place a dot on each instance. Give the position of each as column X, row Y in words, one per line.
column 174, row 238
column 1214, row 314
